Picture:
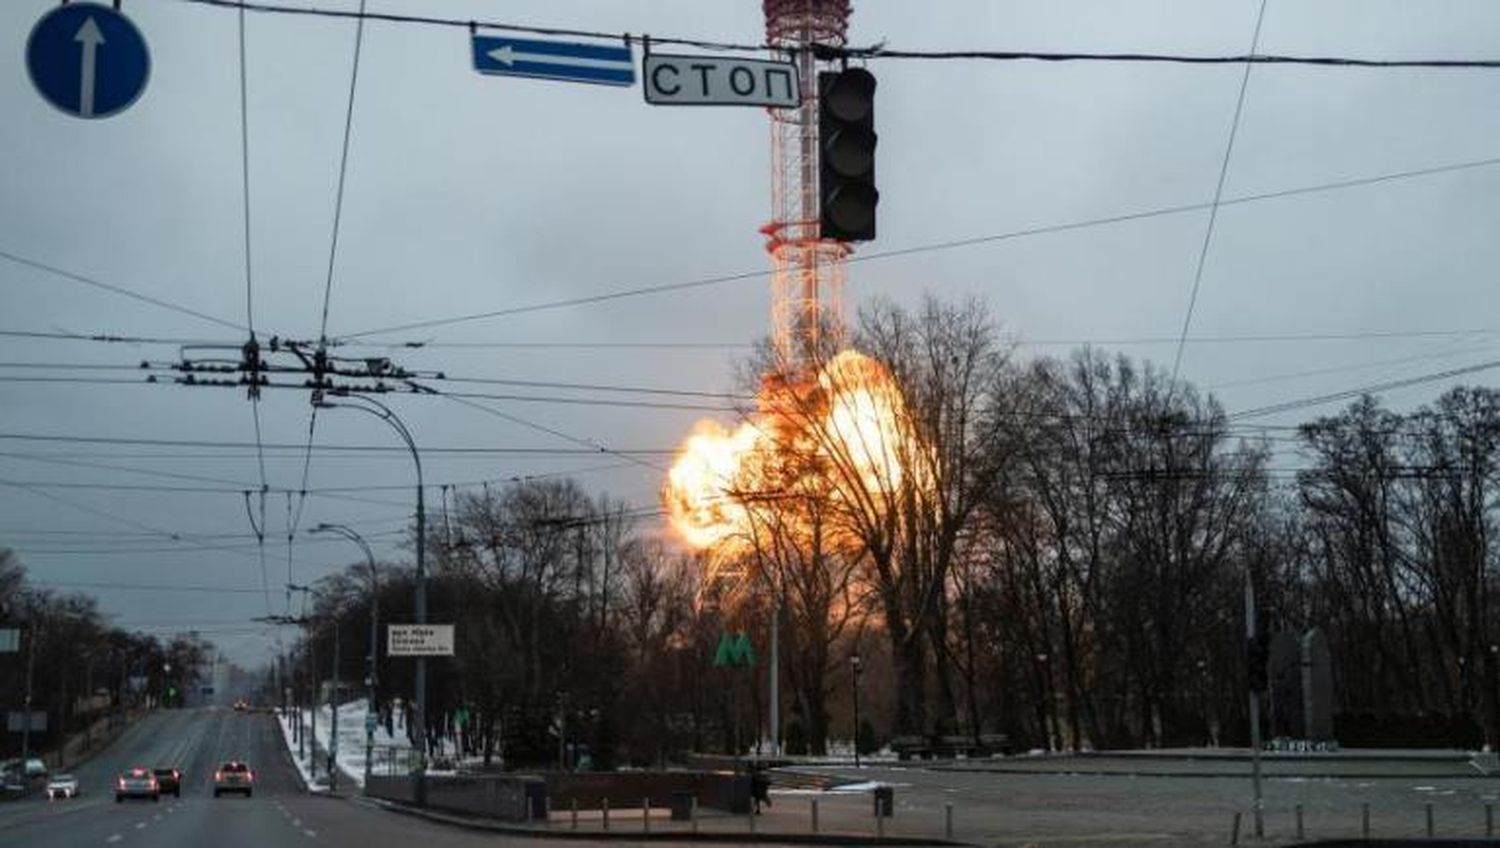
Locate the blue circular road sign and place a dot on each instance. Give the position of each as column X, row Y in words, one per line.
column 87, row 60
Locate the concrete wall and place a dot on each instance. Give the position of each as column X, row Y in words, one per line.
column 504, row 796
column 501, row 797
column 626, row 789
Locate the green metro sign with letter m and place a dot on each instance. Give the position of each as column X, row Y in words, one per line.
column 734, row 650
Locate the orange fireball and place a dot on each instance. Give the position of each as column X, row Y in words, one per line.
column 848, row 424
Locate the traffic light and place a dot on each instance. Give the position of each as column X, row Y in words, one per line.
column 846, row 161
column 1257, row 653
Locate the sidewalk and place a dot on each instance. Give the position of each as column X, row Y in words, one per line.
column 787, row 822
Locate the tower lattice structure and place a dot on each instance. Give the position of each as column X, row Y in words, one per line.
column 807, row 271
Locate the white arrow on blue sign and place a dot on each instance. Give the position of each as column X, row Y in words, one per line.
column 556, row 60
column 87, row 60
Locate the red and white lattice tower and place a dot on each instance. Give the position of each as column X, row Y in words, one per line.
column 808, row 272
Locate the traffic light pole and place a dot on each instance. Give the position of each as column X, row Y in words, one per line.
column 1250, row 630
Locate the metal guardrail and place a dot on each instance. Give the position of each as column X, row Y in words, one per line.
column 395, row 760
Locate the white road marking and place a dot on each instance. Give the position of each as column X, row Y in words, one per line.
column 140, row 825
column 156, row 817
column 114, row 837
column 311, row 834
column 296, row 822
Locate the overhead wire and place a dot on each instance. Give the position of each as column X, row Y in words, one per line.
column 928, row 247
column 119, row 290
column 1213, row 209
column 294, row 521
column 874, row 52
column 1373, row 389
column 260, row 453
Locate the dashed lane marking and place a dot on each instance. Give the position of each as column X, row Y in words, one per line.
column 311, row 834
column 140, row 825
column 113, row 838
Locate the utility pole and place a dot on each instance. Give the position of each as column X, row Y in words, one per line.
column 371, row 677
column 333, row 709
column 26, row 706
column 1250, row 635
column 854, row 663
column 775, row 675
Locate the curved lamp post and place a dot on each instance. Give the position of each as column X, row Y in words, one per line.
column 370, row 406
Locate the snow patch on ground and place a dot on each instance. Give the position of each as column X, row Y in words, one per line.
column 351, row 740
column 303, row 764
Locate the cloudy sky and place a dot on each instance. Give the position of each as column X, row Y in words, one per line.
column 468, row 194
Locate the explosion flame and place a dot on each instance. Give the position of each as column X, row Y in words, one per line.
column 845, row 427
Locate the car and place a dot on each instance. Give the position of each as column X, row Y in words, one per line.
column 241, row 705
column 169, row 780
column 137, row 782
column 35, row 768
column 234, row 776
column 62, row 786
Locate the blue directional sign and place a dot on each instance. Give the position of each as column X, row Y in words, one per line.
column 556, row 60
column 87, row 60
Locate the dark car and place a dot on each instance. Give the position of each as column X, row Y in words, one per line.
column 169, row 781
column 137, row 783
column 234, row 776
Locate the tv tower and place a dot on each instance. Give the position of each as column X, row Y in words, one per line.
column 807, row 271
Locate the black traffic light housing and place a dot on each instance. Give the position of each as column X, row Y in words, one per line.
column 846, row 157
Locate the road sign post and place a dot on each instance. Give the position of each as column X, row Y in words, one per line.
column 87, row 60
column 566, row 61
column 419, row 640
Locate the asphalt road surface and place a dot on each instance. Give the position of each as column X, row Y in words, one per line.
column 279, row 814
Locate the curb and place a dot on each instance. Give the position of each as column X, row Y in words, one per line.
column 1239, row 775
column 781, row 838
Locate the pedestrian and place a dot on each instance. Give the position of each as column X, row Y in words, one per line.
column 760, row 789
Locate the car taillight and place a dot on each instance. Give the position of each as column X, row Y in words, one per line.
column 250, row 775
column 122, row 783
column 151, row 784
column 218, row 775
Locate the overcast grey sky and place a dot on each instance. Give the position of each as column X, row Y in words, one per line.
column 468, row 193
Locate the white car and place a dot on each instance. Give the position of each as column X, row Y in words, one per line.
column 62, row 786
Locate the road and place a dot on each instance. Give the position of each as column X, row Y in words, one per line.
column 280, row 814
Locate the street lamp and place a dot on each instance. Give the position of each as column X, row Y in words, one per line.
column 372, row 678
column 855, row 664
column 333, row 706
column 1049, row 705
column 383, row 412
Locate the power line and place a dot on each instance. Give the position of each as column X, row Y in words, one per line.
column 119, row 290
column 1213, row 210
column 930, row 247
column 143, row 587
column 111, row 339
column 603, row 387
column 628, row 456
column 874, row 52
column 1339, row 369
column 251, row 345
column 1251, row 58
column 611, row 402
column 1377, row 388
column 342, row 448
column 338, row 203
column 1257, row 338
